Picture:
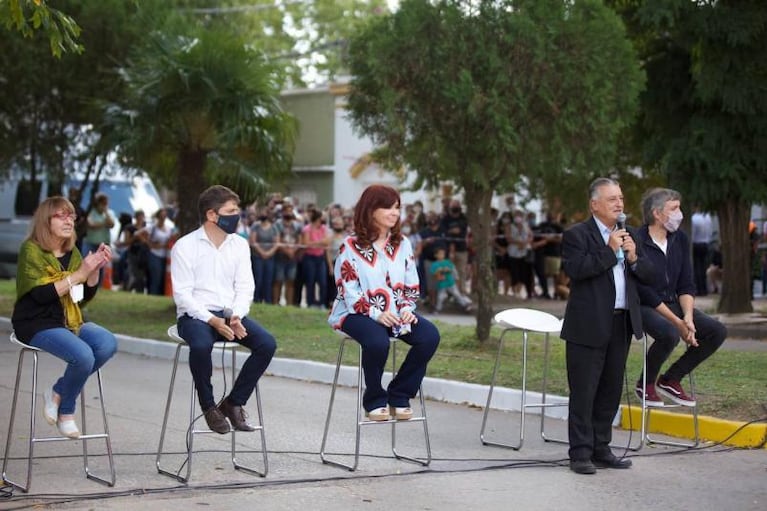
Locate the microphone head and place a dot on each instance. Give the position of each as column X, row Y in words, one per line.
column 227, row 313
column 621, row 220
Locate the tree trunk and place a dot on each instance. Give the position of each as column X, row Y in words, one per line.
column 736, row 257
column 484, row 284
column 190, row 183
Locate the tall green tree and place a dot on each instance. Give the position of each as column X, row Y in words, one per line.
column 203, row 107
column 491, row 93
column 704, row 114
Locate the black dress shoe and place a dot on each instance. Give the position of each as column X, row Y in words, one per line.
column 611, row 461
column 582, row 467
column 236, row 416
column 216, row 420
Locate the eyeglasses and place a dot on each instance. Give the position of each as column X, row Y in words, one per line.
column 65, row 216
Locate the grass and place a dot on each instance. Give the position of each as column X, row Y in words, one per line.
column 731, row 385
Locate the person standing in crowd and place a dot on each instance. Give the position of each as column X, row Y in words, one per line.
column 100, row 220
column 501, row 250
column 432, row 237
column 136, row 238
column 81, row 222
column 158, row 238
column 378, row 287
column 701, row 242
column 51, row 281
column 547, row 242
column 264, row 242
column 213, row 289
column 285, row 262
column 455, row 225
column 605, row 267
column 519, row 237
column 315, row 239
column 668, row 302
column 337, row 237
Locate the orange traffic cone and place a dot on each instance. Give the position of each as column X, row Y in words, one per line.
column 106, row 277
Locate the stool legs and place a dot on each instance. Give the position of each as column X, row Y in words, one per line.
column 361, row 421
column 192, row 431
column 524, row 405
column 644, row 435
column 33, row 439
column 646, row 423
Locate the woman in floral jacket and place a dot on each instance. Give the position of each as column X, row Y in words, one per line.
column 377, row 281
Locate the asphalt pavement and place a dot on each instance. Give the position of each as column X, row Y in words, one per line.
column 463, row 474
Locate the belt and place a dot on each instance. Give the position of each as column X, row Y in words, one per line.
column 619, row 311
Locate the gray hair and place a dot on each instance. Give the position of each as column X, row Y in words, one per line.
column 655, row 199
column 599, row 183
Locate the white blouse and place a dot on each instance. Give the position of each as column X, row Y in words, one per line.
column 371, row 281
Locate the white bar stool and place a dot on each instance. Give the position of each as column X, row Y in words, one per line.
column 362, row 421
column 526, row 320
column 191, row 430
column 644, row 437
column 32, row 432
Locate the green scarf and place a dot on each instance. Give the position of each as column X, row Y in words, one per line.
column 38, row 267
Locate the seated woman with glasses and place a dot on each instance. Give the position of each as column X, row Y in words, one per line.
column 51, row 280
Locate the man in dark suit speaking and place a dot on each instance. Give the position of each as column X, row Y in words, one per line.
column 601, row 259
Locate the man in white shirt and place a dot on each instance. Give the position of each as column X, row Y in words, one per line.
column 701, row 240
column 213, row 288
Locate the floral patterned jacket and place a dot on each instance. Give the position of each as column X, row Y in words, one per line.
column 370, row 280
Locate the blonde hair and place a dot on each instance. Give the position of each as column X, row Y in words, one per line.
column 41, row 233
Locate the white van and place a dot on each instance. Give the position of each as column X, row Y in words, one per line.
column 126, row 195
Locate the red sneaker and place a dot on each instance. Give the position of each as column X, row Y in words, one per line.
column 674, row 391
column 651, row 397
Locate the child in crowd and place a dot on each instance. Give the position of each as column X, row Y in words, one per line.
column 443, row 271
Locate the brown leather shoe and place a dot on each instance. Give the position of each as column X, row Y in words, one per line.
column 216, row 420
column 236, row 416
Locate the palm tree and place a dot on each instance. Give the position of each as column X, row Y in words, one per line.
column 203, row 108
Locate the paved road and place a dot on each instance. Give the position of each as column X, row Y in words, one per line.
column 463, row 475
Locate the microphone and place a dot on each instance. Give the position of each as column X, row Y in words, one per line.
column 227, row 315
column 621, row 221
column 620, row 224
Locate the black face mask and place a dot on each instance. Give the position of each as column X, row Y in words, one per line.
column 455, row 211
column 228, row 223
column 262, row 218
column 338, row 229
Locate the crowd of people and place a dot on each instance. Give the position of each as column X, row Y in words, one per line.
column 294, row 247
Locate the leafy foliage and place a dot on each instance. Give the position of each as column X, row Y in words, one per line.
column 492, row 93
column 29, row 16
column 201, row 104
column 704, row 114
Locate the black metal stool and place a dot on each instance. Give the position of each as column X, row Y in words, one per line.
column 191, row 432
column 32, row 432
column 361, row 421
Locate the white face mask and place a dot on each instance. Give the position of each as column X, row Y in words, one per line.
column 674, row 221
column 405, row 230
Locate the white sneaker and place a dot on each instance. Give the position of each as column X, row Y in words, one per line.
column 68, row 428
column 50, row 408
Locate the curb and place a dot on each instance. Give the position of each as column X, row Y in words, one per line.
column 711, row 429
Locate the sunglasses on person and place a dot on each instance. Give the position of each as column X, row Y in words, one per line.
column 62, row 215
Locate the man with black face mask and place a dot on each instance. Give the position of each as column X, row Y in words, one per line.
column 213, row 288
column 455, row 225
column 432, row 238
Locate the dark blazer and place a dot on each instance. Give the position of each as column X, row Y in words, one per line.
column 673, row 271
column 588, row 261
